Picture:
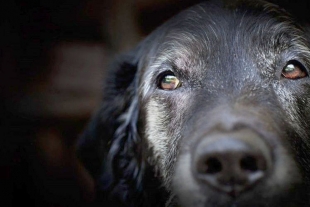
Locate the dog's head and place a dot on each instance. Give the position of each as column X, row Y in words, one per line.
column 216, row 101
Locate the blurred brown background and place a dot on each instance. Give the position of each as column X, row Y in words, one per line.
column 53, row 59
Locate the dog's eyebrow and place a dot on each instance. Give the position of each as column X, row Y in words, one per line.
column 182, row 62
column 182, row 51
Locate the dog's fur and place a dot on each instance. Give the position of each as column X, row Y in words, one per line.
column 229, row 58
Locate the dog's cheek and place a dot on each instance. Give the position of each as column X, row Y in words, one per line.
column 292, row 108
column 296, row 106
column 164, row 119
column 157, row 133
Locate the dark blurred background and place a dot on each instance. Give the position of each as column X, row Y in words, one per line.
column 52, row 61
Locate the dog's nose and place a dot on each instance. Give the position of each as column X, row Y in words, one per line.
column 232, row 163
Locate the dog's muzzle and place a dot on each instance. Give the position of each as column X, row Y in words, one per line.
column 232, row 161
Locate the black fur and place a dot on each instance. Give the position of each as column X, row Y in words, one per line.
column 114, row 148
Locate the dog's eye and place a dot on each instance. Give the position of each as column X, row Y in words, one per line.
column 169, row 82
column 294, row 70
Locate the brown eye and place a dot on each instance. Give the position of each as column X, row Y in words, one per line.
column 294, row 70
column 169, row 82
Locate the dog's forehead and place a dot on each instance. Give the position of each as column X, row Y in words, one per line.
column 208, row 33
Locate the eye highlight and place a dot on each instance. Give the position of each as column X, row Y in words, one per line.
column 169, row 82
column 294, row 70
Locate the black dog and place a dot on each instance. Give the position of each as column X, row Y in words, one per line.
column 211, row 110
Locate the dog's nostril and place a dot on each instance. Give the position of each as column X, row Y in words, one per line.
column 213, row 165
column 232, row 164
column 249, row 163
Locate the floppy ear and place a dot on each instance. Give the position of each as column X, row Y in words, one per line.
column 109, row 147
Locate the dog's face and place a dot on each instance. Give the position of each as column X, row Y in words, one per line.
column 224, row 96
column 214, row 107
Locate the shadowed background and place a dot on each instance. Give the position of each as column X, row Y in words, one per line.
column 53, row 58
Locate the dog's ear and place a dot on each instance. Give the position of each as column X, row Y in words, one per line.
column 109, row 147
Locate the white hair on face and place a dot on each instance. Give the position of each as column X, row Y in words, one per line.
column 162, row 137
column 181, row 49
column 156, row 132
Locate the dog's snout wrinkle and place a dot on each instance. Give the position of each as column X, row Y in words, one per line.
column 231, row 162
